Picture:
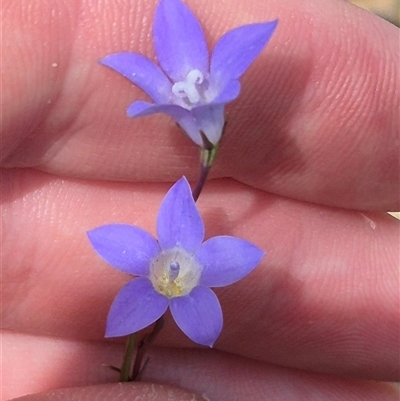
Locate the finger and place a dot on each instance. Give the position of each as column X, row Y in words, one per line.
column 325, row 298
column 317, row 119
column 34, row 364
column 117, row 392
column 215, row 375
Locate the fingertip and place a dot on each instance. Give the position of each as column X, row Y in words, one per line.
column 116, row 391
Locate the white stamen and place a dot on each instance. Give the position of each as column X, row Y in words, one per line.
column 189, row 87
column 195, row 77
column 179, row 89
column 192, row 94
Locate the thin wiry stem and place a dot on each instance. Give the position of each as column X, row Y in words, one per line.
column 125, row 372
column 204, row 170
column 142, row 348
column 207, row 156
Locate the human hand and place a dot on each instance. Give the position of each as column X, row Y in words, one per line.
column 308, row 165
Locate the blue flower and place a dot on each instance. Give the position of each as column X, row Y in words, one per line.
column 176, row 271
column 191, row 87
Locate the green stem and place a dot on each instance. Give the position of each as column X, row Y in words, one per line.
column 207, row 157
column 124, row 374
column 200, row 182
column 142, row 348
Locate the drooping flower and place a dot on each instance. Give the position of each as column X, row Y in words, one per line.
column 191, row 86
column 175, row 271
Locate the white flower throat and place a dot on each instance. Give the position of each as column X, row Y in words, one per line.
column 190, row 90
column 174, row 273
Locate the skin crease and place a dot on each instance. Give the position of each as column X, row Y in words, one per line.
column 308, row 166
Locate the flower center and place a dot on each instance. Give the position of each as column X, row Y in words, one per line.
column 174, row 273
column 189, row 89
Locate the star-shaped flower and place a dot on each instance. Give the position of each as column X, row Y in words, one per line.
column 176, row 270
column 191, row 87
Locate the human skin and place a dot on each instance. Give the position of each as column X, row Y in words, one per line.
column 308, row 166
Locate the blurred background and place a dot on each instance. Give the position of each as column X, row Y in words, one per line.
column 388, row 9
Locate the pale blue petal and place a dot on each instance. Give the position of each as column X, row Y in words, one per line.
column 141, row 109
column 228, row 93
column 190, row 126
column 142, row 72
column 210, row 120
column 135, row 307
column 179, row 40
column 127, row 248
column 179, row 222
column 198, row 315
column 237, row 49
column 226, row 260
column 183, row 117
